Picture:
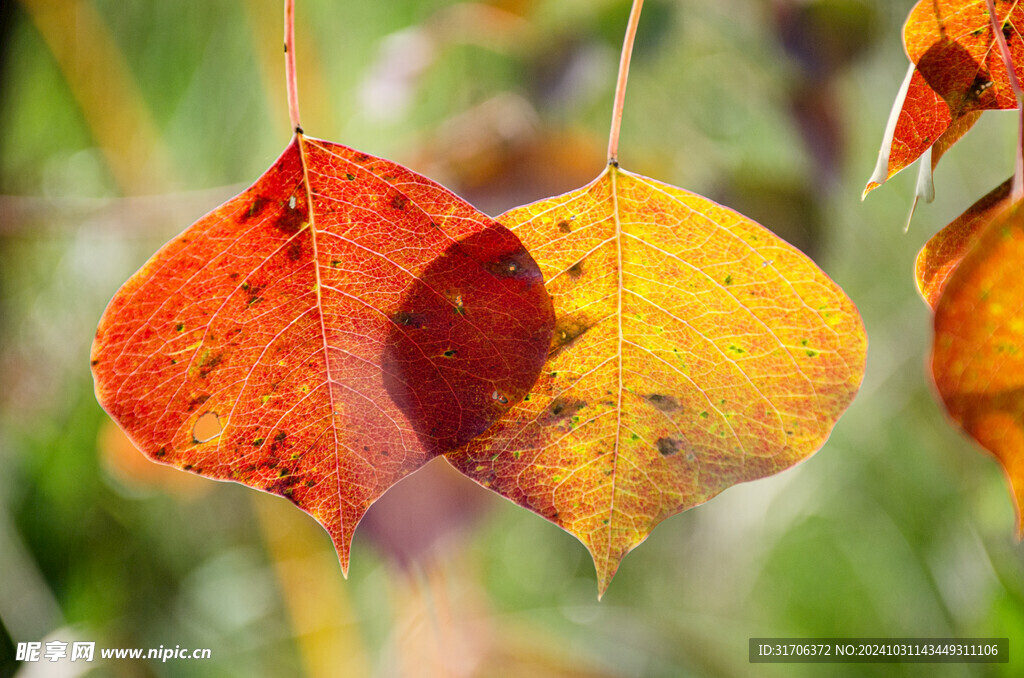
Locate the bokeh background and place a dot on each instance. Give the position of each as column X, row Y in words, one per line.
column 121, row 122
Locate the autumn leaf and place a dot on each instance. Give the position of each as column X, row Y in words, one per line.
column 324, row 333
column 957, row 72
column 978, row 354
column 944, row 251
column 693, row 350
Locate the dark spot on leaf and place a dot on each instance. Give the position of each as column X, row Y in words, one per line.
column 399, row 202
column 285, row 485
column 450, row 353
column 294, row 250
column 278, row 441
column 179, row 327
column 335, row 263
column 518, row 265
column 255, row 208
column 290, row 220
column 94, row 363
column 258, row 442
column 197, row 401
column 575, row 271
column 207, row 364
column 350, row 176
column 559, row 410
column 664, row 403
column 564, row 226
column 978, row 87
column 410, row 319
column 567, row 330
column 234, row 276
column 667, row 446
column 162, row 452
column 360, row 157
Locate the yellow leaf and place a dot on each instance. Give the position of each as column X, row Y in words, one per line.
column 693, row 350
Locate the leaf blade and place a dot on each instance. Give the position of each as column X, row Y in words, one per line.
column 977, row 360
column 323, row 334
column 659, row 366
column 944, row 251
column 958, row 74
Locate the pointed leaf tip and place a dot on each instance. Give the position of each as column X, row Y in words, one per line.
column 335, row 326
column 690, row 344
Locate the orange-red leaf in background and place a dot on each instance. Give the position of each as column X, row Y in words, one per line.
column 943, row 252
column 959, row 73
column 324, row 334
column 978, row 354
column 693, row 350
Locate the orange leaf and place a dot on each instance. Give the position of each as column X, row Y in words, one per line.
column 959, row 73
column 324, row 334
column 944, row 251
column 693, row 350
column 978, row 354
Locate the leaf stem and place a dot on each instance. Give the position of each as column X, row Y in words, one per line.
column 1017, row 192
column 289, row 65
column 620, row 86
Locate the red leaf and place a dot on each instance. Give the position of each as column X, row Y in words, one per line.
column 324, row 333
column 959, row 73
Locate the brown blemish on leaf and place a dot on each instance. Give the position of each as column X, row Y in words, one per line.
column 664, row 403
column 575, row 271
column 209, row 363
column 399, row 202
column 294, row 250
column 197, row 401
column 290, row 220
column 518, row 265
column 410, row 319
column 564, row 226
column 667, row 446
column 278, row 441
column 567, row 330
column 559, row 410
column 255, row 208
column 285, row 485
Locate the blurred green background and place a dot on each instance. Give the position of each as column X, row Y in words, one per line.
column 123, row 122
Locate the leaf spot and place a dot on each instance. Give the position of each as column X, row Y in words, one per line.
column 667, row 446
column 664, row 403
